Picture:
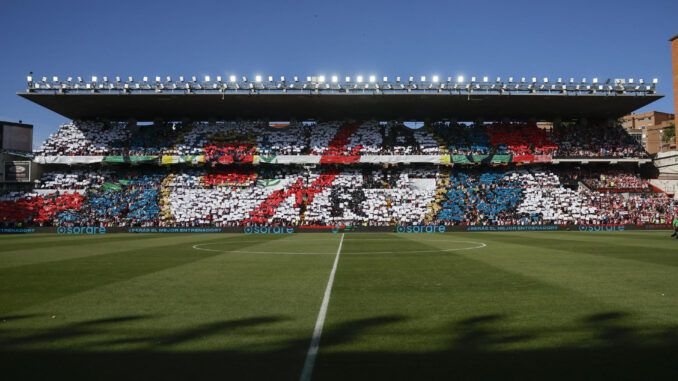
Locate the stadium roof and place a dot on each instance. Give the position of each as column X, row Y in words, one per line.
column 264, row 106
column 316, row 98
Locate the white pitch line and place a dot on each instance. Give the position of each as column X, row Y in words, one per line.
column 315, row 340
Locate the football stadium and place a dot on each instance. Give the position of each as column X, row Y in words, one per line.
column 337, row 227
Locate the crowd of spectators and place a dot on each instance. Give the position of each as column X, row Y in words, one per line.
column 340, row 138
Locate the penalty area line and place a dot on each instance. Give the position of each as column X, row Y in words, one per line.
column 317, row 331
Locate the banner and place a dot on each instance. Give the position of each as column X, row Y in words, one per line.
column 130, row 159
column 68, row 159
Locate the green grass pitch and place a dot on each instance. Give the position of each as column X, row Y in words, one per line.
column 549, row 305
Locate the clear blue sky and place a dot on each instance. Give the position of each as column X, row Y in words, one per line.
column 605, row 39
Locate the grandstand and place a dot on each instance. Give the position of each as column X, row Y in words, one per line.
column 108, row 168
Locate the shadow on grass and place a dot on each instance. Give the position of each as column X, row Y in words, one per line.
column 618, row 352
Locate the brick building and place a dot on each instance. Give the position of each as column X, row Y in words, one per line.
column 648, row 128
column 674, row 60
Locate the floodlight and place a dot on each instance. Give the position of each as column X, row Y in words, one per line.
column 546, row 80
column 498, row 79
column 485, row 79
column 360, row 78
column 348, row 79
column 522, row 80
column 79, row 79
column 411, row 79
column 423, row 78
column 232, row 78
column 373, row 78
column 296, row 79
column 157, row 79
column 510, row 79
column 641, row 81
column 308, row 79
column 207, row 78
column 131, row 79
column 218, row 79
column 335, row 79
column 193, row 78
column 106, row 79
column 117, row 79
column 460, row 79
column 244, row 78
column 655, row 80
column 435, row 78
column 473, row 79
column 145, row 79
column 29, row 78
column 55, row 79
column 94, row 78
column 583, row 80
column 560, row 80
column 321, row 79
column 282, row 78
column 385, row 79
column 70, row 79
column 571, row 80
column 44, row 79
column 630, row 81
column 595, row 80
column 534, row 79
column 181, row 78
column 398, row 79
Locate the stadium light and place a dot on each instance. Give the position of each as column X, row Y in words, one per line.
column 335, row 79
column 55, row 79
column 29, row 78
column 80, row 79
column 207, row 78
column 181, row 78
column 232, row 78
column 70, row 79
column 244, row 78
column 321, row 79
column 398, row 79
column 423, row 78
column 630, row 81
column 348, row 79
column 360, row 79
column 460, row 79
column 484, row 79
column 145, row 79
column 282, row 78
column 411, row 79
column 385, row 79
column 522, row 80
column 193, row 78
column 131, row 79
column 655, row 80
column 157, row 79
column 473, row 79
column 641, row 81
column 583, row 80
column 571, row 80
column 510, row 80
column 595, row 80
column 534, row 79
column 94, row 78
column 308, row 79
column 296, row 79
column 373, row 78
column 117, row 79
column 546, row 80
column 218, row 79
column 435, row 78
column 498, row 79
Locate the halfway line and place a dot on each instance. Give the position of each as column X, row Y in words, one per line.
column 315, row 340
